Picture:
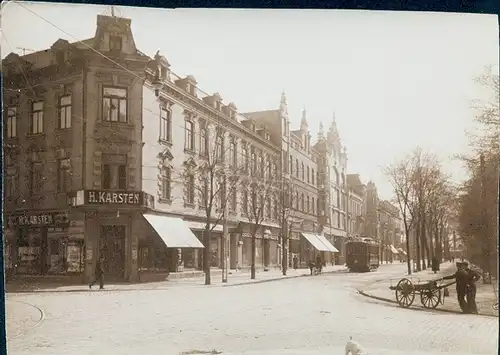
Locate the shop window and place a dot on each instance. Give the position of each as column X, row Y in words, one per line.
column 74, row 256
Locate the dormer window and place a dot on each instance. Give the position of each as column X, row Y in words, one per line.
column 217, row 105
column 188, row 88
column 115, row 43
column 60, row 57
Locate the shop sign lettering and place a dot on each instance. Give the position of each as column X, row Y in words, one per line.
column 95, row 197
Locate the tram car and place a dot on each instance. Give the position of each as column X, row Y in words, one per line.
column 362, row 254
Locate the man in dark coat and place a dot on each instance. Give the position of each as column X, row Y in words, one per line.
column 473, row 276
column 99, row 274
column 461, row 277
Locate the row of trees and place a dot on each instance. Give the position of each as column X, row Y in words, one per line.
column 423, row 194
column 430, row 204
column 220, row 175
column 478, row 201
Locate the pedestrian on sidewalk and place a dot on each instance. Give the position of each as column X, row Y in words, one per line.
column 295, row 262
column 319, row 264
column 99, row 274
column 461, row 277
column 473, row 277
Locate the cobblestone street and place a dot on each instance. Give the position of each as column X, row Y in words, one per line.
column 306, row 315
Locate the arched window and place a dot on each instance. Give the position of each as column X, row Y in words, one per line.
column 303, row 172
column 302, row 202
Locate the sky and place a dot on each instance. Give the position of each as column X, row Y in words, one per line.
column 395, row 80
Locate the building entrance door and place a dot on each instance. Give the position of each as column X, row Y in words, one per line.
column 112, row 249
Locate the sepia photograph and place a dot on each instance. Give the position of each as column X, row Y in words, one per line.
column 249, row 181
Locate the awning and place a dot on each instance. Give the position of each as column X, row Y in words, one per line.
column 393, row 249
column 315, row 241
column 174, row 232
column 401, row 251
column 200, row 226
column 327, row 244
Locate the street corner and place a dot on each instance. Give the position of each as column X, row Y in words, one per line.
column 21, row 317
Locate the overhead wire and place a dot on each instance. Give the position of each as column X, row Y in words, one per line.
column 30, row 87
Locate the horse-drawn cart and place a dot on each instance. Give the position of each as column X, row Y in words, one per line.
column 430, row 292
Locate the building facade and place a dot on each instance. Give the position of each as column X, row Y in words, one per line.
column 104, row 145
column 356, row 205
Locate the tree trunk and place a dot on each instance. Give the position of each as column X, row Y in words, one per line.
column 284, row 248
column 252, row 267
column 425, row 246
column 206, row 253
column 417, row 244
column 408, row 262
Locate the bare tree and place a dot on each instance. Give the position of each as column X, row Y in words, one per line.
column 401, row 175
column 257, row 191
column 285, row 201
column 208, row 178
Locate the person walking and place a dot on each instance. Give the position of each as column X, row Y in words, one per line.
column 461, row 277
column 99, row 274
column 319, row 264
column 473, row 277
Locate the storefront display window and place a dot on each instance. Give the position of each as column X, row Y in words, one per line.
column 74, row 256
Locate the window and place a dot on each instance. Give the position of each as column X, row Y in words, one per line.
column 36, row 178
column 36, row 123
column 233, row 204
column 307, row 205
column 245, row 201
column 204, row 192
column 233, row 154
column 275, row 209
column 297, row 167
column 122, row 177
column 203, row 142
column 303, row 172
column 268, row 208
column 114, row 176
column 308, row 180
column 165, row 183
column 114, row 104
column 313, row 205
column 302, row 207
column 189, row 136
column 269, row 168
column 219, row 147
column 64, row 112
column 254, row 163
column 297, row 200
column 64, row 175
column 106, row 176
column 291, row 165
column 165, row 124
column 11, row 122
column 245, row 156
column 190, row 189
column 10, row 185
column 312, row 177
column 115, row 43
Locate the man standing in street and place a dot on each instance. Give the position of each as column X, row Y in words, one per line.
column 461, row 277
column 99, row 274
column 473, row 276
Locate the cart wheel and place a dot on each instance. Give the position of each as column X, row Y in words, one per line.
column 430, row 297
column 405, row 293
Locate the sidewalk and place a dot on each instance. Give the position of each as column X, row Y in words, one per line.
column 485, row 296
column 235, row 278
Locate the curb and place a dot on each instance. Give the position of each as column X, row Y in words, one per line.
column 167, row 288
column 415, row 308
column 281, row 279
